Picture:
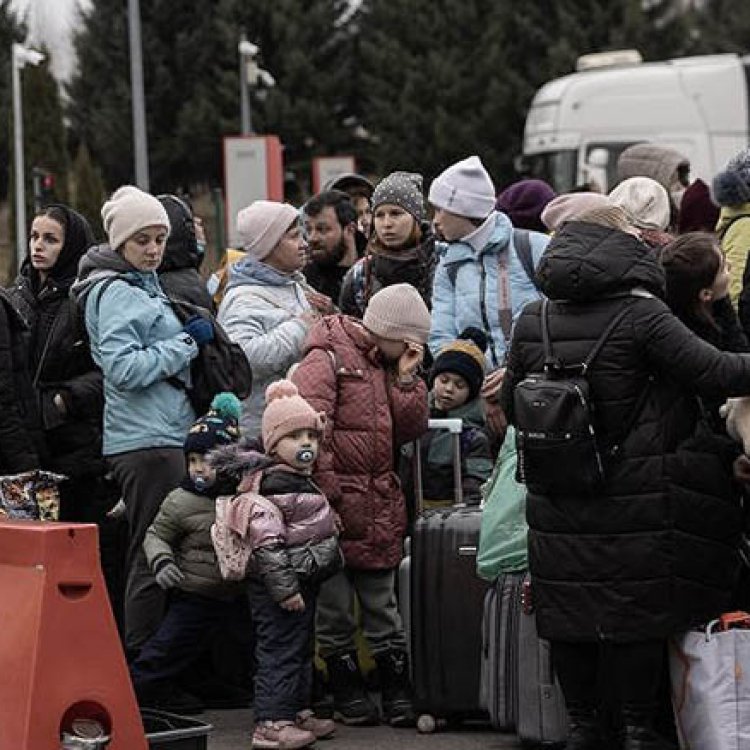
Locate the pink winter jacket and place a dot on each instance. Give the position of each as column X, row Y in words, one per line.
column 369, row 416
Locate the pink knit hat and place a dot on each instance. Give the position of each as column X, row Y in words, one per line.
column 569, row 207
column 286, row 411
column 262, row 224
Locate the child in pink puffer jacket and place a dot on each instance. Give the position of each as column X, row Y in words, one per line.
column 290, row 529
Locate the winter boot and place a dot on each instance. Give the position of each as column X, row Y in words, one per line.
column 351, row 703
column 584, row 732
column 321, row 700
column 638, row 732
column 396, row 691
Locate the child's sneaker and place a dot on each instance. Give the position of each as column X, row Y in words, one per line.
column 321, row 728
column 280, row 735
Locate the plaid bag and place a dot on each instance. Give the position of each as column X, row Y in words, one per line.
column 32, row 495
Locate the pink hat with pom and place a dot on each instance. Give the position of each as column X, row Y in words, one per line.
column 286, row 411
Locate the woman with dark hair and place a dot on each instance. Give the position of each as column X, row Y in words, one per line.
column 67, row 383
column 698, row 277
column 401, row 248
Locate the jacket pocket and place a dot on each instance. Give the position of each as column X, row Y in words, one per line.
column 354, row 510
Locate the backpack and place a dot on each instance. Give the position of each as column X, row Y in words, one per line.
column 558, row 450
column 233, row 552
column 220, row 365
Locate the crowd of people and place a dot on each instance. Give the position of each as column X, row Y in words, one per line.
column 362, row 314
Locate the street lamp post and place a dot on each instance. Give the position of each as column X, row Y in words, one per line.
column 140, row 136
column 20, row 56
column 250, row 76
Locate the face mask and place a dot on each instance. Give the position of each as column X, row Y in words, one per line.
column 201, row 248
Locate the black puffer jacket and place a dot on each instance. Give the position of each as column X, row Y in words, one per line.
column 178, row 272
column 656, row 550
column 21, row 440
column 60, row 358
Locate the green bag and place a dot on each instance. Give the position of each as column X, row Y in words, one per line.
column 502, row 537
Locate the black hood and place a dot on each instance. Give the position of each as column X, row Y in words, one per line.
column 182, row 247
column 78, row 239
column 585, row 262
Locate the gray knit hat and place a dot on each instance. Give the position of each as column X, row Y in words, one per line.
column 660, row 163
column 402, row 189
column 128, row 211
column 398, row 312
column 464, row 189
column 731, row 187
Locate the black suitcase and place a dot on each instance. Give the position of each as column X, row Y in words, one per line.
column 443, row 605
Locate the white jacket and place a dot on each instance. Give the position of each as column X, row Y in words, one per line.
column 260, row 312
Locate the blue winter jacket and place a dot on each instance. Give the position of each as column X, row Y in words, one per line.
column 465, row 290
column 138, row 342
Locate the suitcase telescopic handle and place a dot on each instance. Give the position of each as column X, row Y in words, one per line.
column 454, row 427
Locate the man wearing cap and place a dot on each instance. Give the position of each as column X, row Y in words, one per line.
column 480, row 280
column 360, row 190
column 265, row 309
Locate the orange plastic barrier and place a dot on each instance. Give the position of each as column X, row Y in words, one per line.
column 60, row 655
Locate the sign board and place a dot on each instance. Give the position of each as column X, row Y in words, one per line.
column 253, row 170
column 326, row 168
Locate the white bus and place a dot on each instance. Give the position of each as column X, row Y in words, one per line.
column 579, row 124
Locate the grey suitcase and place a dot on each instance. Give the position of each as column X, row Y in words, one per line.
column 519, row 688
column 441, row 600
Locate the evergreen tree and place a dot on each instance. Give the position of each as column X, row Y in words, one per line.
column 99, row 93
column 722, row 26
column 11, row 30
column 87, row 189
column 307, row 45
column 44, row 130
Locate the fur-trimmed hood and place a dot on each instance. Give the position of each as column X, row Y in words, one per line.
column 239, row 459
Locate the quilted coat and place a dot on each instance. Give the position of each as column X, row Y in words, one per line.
column 655, row 551
column 369, row 416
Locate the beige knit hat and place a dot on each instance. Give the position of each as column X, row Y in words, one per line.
column 398, row 313
column 128, row 211
column 569, row 207
column 262, row 224
column 285, row 412
column 645, row 201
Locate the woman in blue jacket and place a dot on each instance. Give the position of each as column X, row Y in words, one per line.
column 144, row 352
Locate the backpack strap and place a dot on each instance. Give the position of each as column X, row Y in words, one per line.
column 522, row 246
column 553, row 363
column 603, row 338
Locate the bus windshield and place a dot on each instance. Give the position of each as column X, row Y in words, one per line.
column 558, row 168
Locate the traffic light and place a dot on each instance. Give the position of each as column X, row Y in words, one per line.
column 44, row 187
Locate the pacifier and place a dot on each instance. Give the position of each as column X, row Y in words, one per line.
column 202, row 484
column 305, row 455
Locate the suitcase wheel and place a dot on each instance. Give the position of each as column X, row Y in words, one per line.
column 426, row 724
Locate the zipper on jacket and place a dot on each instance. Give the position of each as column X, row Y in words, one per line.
column 38, row 373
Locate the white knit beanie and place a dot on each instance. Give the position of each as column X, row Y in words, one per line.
column 128, row 211
column 464, row 189
column 645, row 201
column 398, row 313
column 262, row 224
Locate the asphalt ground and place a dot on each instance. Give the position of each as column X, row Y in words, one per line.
column 233, row 730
